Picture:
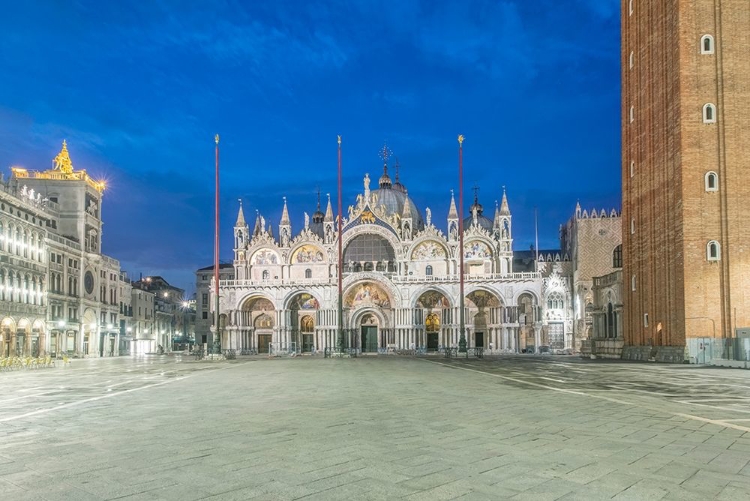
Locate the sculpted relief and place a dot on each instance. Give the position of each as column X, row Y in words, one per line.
column 476, row 250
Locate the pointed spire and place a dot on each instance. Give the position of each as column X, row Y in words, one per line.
column 406, row 213
column 452, row 212
column 318, row 215
column 578, row 208
column 385, row 180
column 504, row 209
column 329, row 211
column 397, row 185
column 496, row 222
column 285, row 215
column 240, row 216
column 258, row 228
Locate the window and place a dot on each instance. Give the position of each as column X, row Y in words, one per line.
column 645, row 319
column 555, row 301
column 632, row 226
column 204, row 299
column 205, row 315
column 632, row 168
column 308, row 273
column 428, row 270
column 713, row 251
column 632, row 283
column 266, row 275
column 632, row 114
column 712, row 181
column 617, row 257
column 630, row 8
column 709, row 113
column 707, row 44
column 631, row 59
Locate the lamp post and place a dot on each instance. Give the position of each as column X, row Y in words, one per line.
column 61, row 333
column 462, row 325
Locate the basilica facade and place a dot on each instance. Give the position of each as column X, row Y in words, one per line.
column 400, row 281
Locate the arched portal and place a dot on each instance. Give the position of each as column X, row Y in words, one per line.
column 434, row 306
column 257, row 321
column 483, row 310
column 527, row 316
column 302, row 313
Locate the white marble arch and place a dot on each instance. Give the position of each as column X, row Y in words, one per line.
column 255, row 295
column 306, row 243
column 521, row 291
column 488, row 289
column 286, row 302
column 429, row 238
column 373, row 229
column 431, row 287
column 356, row 278
column 356, row 317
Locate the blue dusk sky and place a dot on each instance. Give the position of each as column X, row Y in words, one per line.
column 139, row 89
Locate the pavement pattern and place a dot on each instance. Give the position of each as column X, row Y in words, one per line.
column 381, row 427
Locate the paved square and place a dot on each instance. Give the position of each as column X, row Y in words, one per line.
column 374, row 428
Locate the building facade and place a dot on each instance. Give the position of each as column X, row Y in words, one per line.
column 79, row 294
column 593, row 241
column 400, row 281
column 685, row 175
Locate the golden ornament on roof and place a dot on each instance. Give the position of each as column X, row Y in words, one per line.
column 62, row 160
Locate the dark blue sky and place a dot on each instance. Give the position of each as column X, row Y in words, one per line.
column 140, row 90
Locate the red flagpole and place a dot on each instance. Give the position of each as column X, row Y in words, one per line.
column 217, row 333
column 341, row 263
column 462, row 340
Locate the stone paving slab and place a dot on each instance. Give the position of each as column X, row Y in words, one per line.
column 372, row 428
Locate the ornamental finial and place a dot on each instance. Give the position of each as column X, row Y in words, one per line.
column 216, row 138
column 62, row 160
column 339, row 140
column 460, row 140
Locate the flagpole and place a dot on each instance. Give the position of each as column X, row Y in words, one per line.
column 462, row 339
column 536, row 235
column 341, row 340
column 217, row 323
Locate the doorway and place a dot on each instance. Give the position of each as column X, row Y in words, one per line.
column 263, row 341
column 479, row 339
column 432, row 341
column 369, row 339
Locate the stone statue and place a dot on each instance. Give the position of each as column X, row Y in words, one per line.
column 474, row 215
column 262, row 223
column 367, row 183
column 428, row 213
column 307, row 221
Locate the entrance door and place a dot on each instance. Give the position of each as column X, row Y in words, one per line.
column 263, row 341
column 479, row 339
column 307, row 343
column 432, row 341
column 556, row 336
column 369, row 338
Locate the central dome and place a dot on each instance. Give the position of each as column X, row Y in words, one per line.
column 394, row 202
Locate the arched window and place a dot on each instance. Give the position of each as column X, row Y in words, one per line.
column 368, row 266
column 709, row 113
column 632, row 114
column 713, row 251
column 632, row 225
column 632, row 283
column 631, row 59
column 630, row 8
column 707, row 44
column 632, row 168
column 611, row 321
column 308, row 273
column 266, row 275
column 712, row 181
column 555, row 301
column 428, row 270
column 617, row 257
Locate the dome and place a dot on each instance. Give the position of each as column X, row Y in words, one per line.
column 394, row 201
column 482, row 221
